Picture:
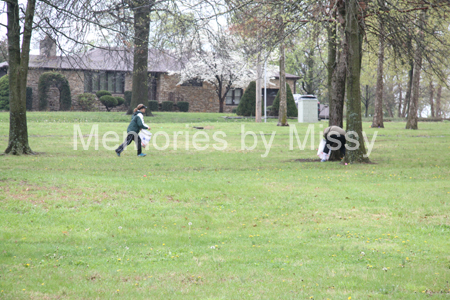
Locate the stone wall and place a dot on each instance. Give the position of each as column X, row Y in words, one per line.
column 201, row 99
column 76, row 83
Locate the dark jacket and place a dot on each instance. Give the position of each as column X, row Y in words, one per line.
column 137, row 123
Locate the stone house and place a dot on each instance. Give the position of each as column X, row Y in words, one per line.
column 111, row 70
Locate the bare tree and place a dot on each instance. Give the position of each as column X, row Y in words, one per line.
column 438, row 101
column 366, row 100
column 354, row 35
column 282, row 113
column 141, row 22
column 18, row 58
column 378, row 113
column 431, row 99
column 411, row 122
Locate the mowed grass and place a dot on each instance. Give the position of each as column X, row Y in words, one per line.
column 85, row 224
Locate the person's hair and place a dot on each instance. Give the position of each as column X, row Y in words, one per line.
column 138, row 107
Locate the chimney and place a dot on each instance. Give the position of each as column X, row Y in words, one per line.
column 47, row 47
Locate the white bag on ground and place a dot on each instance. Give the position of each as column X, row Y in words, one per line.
column 145, row 136
column 320, row 150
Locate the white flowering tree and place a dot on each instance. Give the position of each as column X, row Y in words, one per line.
column 220, row 65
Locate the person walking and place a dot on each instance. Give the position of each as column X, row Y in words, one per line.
column 334, row 137
column 136, row 124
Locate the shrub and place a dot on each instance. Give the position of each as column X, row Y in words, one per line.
column 120, row 101
column 108, row 101
column 86, row 101
column 127, row 95
column 101, row 93
column 4, row 93
column 183, row 106
column 291, row 106
column 29, row 98
column 247, row 104
column 153, row 105
column 233, row 111
column 167, row 106
column 48, row 79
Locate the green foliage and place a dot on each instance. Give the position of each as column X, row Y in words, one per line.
column 183, row 106
column 291, row 106
column 29, row 98
column 102, row 93
column 247, row 104
column 120, row 101
column 153, row 105
column 108, row 101
column 234, row 110
column 58, row 80
column 167, row 106
column 86, row 101
column 127, row 95
column 4, row 93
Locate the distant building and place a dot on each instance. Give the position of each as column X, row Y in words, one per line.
column 324, row 112
column 111, row 70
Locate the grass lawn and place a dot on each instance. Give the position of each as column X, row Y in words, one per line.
column 85, row 224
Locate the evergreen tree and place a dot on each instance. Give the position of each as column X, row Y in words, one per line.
column 291, row 106
column 247, row 104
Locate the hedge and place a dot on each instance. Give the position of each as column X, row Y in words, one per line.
column 48, row 79
column 167, row 106
column 183, row 106
column 86, row 101
column 108, row 101
column 120, row 101
column 102, row 93
column 4, row 93
column 153, row 105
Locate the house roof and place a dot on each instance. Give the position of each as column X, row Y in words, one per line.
column 288, row 76
column 104, row 60
column 114, row 59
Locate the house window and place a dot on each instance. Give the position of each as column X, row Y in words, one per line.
column 193, row 82
column 233, row 97
column 113, row 82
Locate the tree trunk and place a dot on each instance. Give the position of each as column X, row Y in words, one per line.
column 378, row 113
column 431, row 99
column 18, row 72
column 411, row 122
column 399, row 113
column 356, row 151
column 331, row 63
column 219, row 90
column 336, row 108
column 258, row 89
column 438, row 101
column 367, row 102
column 309, row 85
column 408, row 89
column 282, row 114
column 140, row 59
column 221, row 101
